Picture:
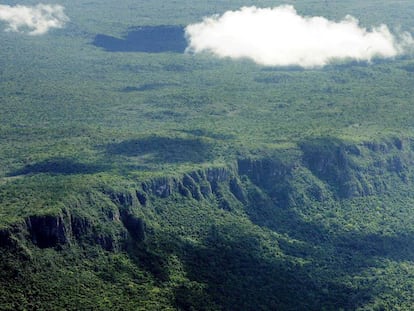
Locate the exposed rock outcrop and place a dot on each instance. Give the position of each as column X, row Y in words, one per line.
column 5, row 238
column 47, row 231
column 198, row 184
column 134, row 225
column 323, row 169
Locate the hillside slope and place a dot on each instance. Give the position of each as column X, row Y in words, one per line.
column 325, row 226
column 137, row 176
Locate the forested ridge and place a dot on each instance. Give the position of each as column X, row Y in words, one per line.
column 318, row 227
column 138, row 175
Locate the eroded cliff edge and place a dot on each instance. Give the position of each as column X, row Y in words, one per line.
column 322, row 169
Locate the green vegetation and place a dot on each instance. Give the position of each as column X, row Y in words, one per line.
column 168, row 181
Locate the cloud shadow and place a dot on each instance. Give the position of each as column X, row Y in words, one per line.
column 147, row 39
column 237, row 272
column 146, row 87
column 164, row 149
column 59, row 165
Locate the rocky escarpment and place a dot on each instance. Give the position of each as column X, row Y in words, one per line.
column 324, row 169
column 47, row 231
column 198, row 184
column 352, row 170
column 118, row 220
column 6, row 239
column 60, row 230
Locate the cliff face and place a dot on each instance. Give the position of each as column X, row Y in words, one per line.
column 198, row 184
column 67, row 227
column 47, row 231
column 327, row 170
column 308, row 220
column 5, row 238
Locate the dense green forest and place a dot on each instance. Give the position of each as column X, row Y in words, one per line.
column 137, row 176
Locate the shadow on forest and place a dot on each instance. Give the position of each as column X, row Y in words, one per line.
column 352, row 248
column 237, row 272
column 155, row 149
column 64, row 166
column 146, row 87
column 164, row 149
column 408, row 67
column 148, row 39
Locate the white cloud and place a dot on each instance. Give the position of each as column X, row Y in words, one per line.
column 34, row 20
column 280, row 37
